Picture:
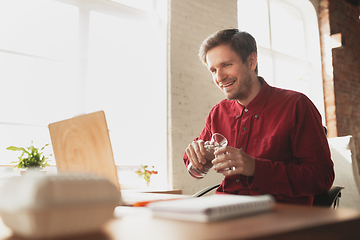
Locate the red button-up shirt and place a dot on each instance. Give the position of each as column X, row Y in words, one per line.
column 282, row 130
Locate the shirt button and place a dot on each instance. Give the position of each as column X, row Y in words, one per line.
column 256, row 116
column 237, row 180
column 245, row 128
column 246, row 110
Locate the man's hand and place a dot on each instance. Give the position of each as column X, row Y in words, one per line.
column 236, row 160
column 196, row 152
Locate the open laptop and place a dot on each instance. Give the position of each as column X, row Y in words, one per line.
column 82, row 144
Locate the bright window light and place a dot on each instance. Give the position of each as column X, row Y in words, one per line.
column 287, row 35
column 144, row 5
column 287, row 29
column 260, row 27
column 63, row 58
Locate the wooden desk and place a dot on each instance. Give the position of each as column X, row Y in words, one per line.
column 284, row 222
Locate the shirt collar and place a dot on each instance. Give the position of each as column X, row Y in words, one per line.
column 256, row 106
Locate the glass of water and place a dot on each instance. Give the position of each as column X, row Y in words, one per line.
column 217, row 141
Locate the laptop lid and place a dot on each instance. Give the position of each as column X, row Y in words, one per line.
column 82, row 144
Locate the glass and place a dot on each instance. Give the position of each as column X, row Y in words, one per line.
column 217, row 141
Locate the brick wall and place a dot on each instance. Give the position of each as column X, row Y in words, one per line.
column 327, row 66
column 191, row 91
column 344, row 18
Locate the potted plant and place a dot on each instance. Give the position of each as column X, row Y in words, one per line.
column 146, row 173
column 30, row 158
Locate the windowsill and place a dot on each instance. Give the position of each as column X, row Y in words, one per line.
column 128, row 180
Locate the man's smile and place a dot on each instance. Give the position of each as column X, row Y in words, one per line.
column 223, row 86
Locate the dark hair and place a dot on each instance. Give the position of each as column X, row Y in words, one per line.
column 242, row 43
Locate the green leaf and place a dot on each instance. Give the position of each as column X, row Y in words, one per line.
column 35, row 158
column 12, row 148
column 44, row 146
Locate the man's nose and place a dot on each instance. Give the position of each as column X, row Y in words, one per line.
column 221, row 76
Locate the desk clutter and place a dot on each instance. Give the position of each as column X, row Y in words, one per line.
column 46, row 206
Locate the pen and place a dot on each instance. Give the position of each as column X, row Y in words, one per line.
column 145, row 203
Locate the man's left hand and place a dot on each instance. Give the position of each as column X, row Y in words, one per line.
column 234, row 159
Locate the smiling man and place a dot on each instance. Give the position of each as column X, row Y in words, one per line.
column 276, row 141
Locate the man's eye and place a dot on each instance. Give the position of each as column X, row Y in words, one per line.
column 229, row 64
column 213, row 71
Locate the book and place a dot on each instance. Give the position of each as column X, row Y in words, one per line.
column 212, row 208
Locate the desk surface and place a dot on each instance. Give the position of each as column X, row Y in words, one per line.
column 284, row 222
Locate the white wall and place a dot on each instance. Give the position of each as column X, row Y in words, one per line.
column 191, row 90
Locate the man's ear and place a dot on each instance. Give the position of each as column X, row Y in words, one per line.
column 252, row 60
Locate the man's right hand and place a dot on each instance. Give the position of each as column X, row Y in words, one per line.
column 195, row 152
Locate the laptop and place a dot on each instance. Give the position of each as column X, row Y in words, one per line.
column 82, row 145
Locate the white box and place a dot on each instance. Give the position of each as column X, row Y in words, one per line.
column 46, row 206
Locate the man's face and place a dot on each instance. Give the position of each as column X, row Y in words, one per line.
column 229, row 72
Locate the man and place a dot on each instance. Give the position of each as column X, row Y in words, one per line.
column 276, row 141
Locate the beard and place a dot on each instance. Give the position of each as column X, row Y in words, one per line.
column 243, row 92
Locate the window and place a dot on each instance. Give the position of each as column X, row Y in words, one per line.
column 62, row 58
column 288, row 44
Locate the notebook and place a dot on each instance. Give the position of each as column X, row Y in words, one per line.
column 82, row 145
column 212, row 208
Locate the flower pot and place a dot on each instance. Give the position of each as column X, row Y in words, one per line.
column 23, row 172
